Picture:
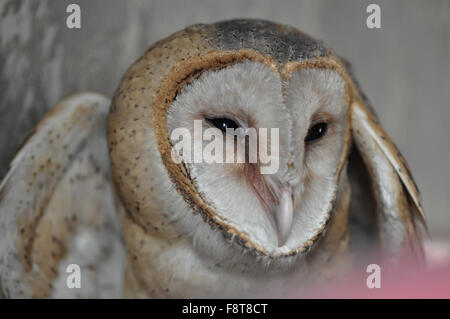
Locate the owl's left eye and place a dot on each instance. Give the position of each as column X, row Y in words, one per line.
column 223, row 123
column 316, row 131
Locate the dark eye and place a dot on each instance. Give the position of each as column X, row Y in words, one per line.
column 223, row 123
column 316, row 131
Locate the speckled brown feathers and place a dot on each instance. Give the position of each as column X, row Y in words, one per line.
column 57, row 188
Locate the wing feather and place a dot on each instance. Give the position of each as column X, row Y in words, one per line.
column 377, row 133
column 57, row 207
column 397, row 196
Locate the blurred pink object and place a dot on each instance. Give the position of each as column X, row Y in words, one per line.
column 408, row 281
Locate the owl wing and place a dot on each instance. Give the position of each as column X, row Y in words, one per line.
column 399, row 210
column 59, row 230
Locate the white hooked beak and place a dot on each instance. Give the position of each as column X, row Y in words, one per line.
column 278, row 201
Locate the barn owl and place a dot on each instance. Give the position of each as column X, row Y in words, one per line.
column 96, row 184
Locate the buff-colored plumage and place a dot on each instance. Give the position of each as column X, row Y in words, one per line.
column 142, row 225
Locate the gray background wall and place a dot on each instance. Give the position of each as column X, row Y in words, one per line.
column 404, row 67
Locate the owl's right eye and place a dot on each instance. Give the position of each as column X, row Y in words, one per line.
column 316, row 131
column 222, row 123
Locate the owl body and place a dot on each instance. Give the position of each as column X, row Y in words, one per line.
column 199, row 229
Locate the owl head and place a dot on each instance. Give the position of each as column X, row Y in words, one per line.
column 281, row 102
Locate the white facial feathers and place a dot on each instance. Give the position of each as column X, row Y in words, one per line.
column 255, row 95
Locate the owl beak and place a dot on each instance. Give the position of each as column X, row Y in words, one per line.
column 283, row 214
column 282, row 208
column 277, row 199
